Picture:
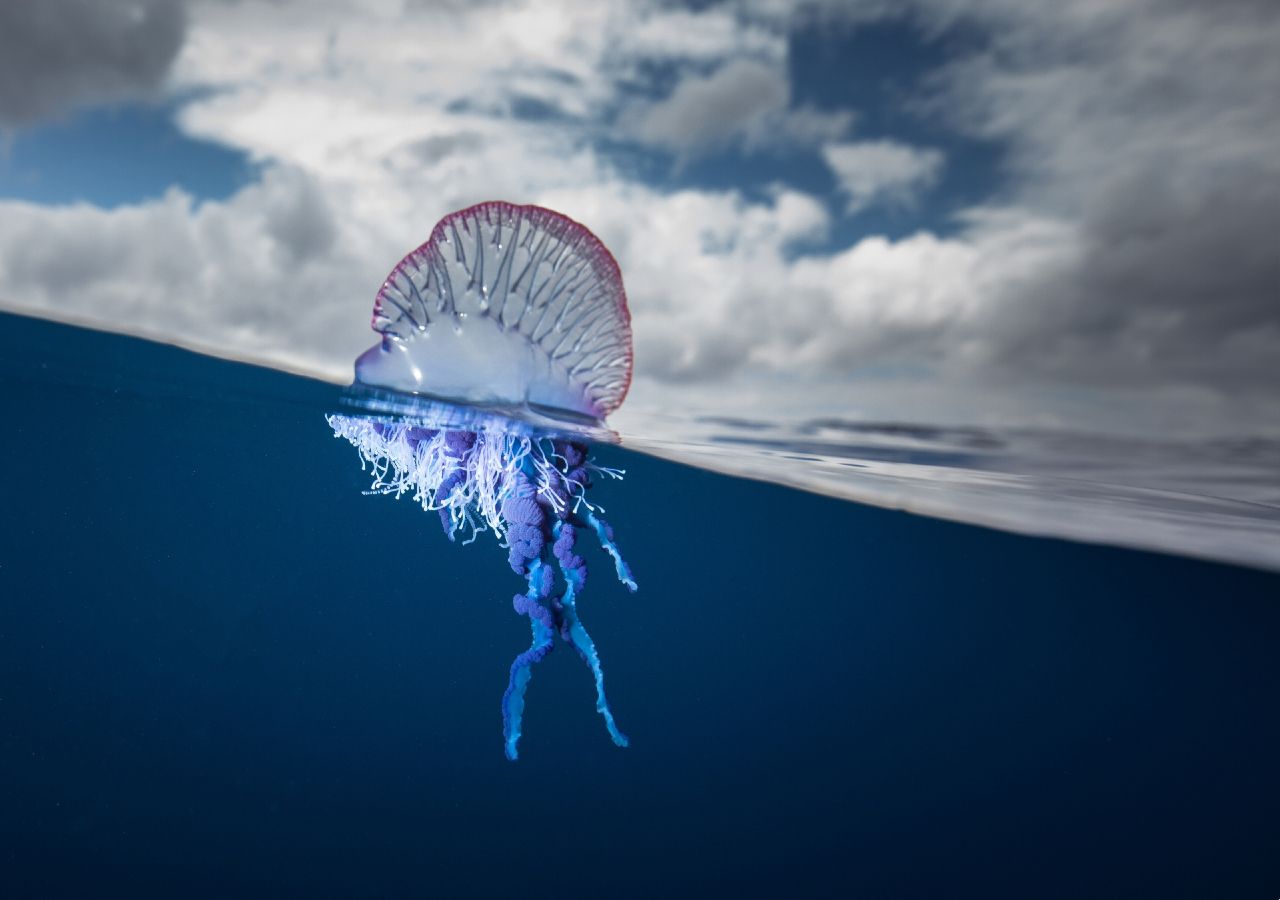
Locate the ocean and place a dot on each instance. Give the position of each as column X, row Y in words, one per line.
column 226, row 670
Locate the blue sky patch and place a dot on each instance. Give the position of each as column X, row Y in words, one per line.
column 115, row 156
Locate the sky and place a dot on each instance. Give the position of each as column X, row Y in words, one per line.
column 983, row 212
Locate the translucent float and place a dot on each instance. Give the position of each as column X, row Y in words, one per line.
column 505, row 341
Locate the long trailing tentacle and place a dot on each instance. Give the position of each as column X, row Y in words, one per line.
column 541, row 622
column 571, row 627
column 521, row 672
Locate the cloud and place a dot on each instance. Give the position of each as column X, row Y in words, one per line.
column 59, row 54
column 1130, row 255
column 743, row 100
column 869, row 172
column 1152, row 128
column 271, row 274
column 702, row 112
column 706, row 36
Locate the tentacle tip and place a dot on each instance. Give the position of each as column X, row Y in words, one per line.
column 513, row 754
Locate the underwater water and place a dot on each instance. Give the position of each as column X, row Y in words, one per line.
column 224, row 670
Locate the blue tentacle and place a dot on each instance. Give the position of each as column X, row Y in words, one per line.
column 572, row 629
column 604, row 532
column 541, row 624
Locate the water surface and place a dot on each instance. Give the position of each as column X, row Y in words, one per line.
column 224, row 670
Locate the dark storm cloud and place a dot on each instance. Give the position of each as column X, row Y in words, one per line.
column 1153, row 128
column 1177, row 283
column 59, row 54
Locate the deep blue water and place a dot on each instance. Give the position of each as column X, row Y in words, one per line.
column 224, row 671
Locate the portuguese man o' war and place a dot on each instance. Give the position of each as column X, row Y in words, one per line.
column 506, row 340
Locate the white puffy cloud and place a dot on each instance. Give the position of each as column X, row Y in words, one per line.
column 271, row 275
column 870, row 172
column 705, row 36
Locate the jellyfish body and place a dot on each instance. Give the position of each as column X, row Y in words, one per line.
column 522, row 310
